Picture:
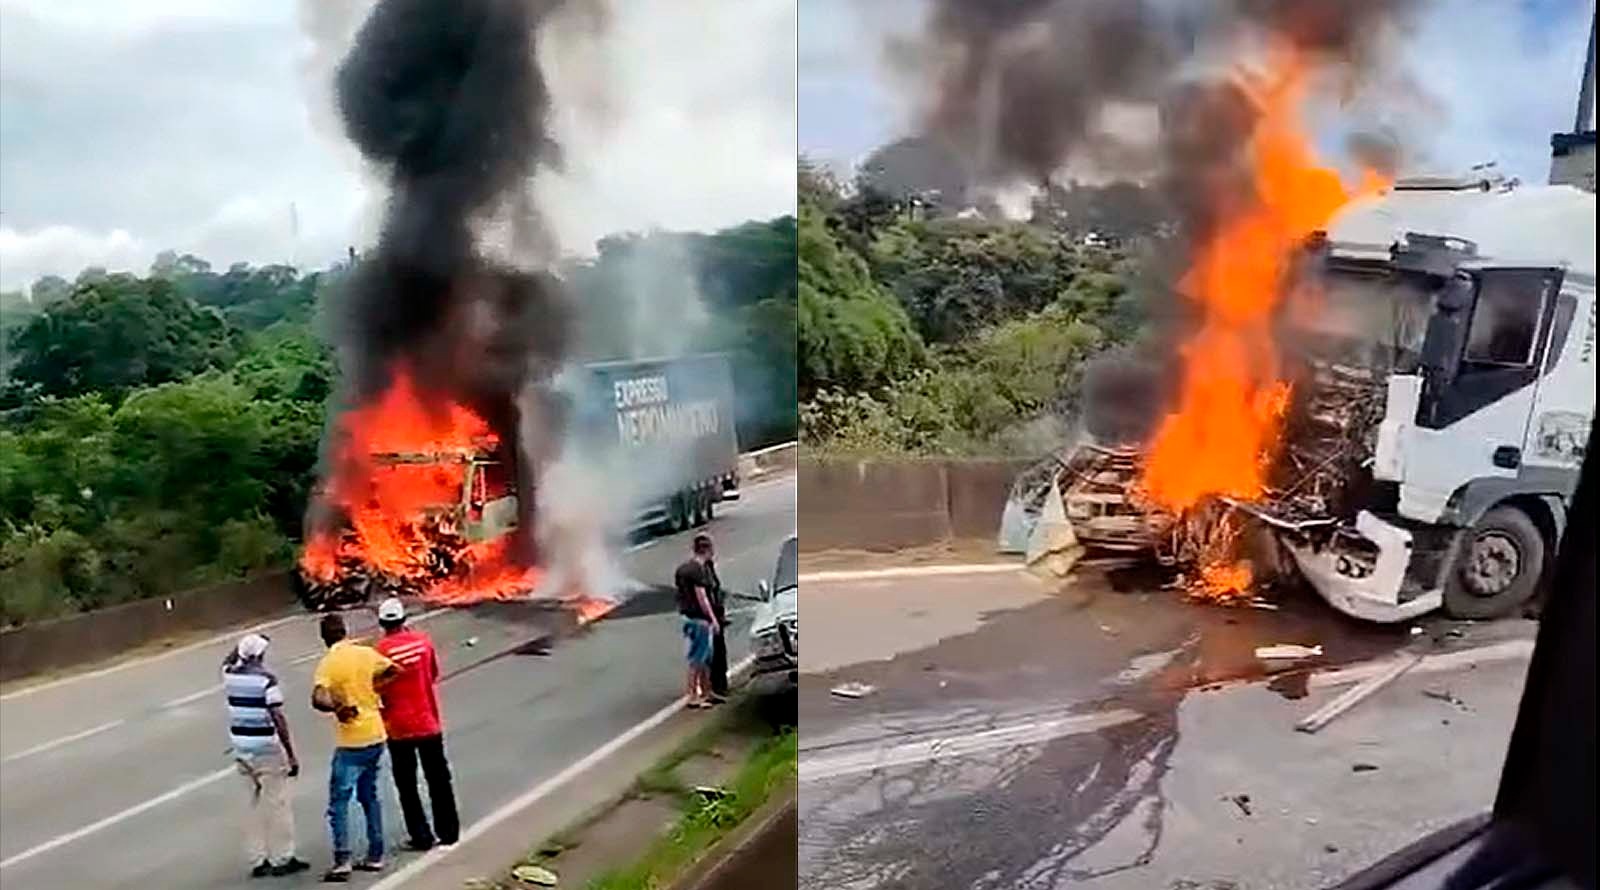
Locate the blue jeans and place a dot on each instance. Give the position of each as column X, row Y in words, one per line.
column 355, row 769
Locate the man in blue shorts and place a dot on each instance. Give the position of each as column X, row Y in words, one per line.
column 699, row 620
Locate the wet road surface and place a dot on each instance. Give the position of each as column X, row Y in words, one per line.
column 120, row 780
column 1111, row 735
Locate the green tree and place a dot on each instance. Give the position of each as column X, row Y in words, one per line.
column 852, row 335
column 119, row 332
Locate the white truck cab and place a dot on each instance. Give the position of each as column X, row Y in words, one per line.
column 1485, row 408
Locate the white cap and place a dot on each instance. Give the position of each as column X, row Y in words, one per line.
column 251, row 646
column 391, row 609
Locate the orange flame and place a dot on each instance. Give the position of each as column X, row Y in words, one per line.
column 1221, row 439
column 591, row 608
column 398, row 476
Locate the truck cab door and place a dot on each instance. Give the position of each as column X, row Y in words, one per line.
column 1482, row 360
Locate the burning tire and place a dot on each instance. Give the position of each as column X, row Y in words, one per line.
column 1498, row 566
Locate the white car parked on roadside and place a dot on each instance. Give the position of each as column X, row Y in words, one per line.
column 775, row 629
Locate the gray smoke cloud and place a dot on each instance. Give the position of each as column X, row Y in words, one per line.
column 1024, row 90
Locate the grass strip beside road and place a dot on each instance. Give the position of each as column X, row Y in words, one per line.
column 769, row 769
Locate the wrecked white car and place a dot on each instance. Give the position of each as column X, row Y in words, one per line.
column 775, row 629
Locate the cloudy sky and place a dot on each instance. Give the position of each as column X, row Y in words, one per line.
column 1502, row 75
column 202, row 125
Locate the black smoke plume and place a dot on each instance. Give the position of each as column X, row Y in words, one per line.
column 1019, row 87
column 446, row 98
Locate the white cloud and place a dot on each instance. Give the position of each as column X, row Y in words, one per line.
column 697, row 128
column 1491, row 82
column 192, row 125
column 64, row 250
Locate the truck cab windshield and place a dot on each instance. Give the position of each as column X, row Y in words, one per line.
column 1365, row 314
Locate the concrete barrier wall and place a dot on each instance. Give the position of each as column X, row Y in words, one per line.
column 756, row 465
column 93, row 636
column 894, row 504
column 81, row 639
column 978, row 491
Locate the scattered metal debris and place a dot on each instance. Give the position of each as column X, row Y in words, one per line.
column 470, row 642
column 1363, row 767
column 853, row 690
column 1259, row 603
column 1242, row 801
column 1287, row 651
column 1440, row 693
column 710, row 792
column 1053, row 547
column 1356, row 694
column 537, row 875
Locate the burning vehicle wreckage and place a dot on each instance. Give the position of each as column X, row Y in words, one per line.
column 449, row 339
column 1435, row 388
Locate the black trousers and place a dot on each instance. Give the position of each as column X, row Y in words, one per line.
column 404, row 755
column 719, row 663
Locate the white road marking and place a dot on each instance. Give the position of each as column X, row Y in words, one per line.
column 543, row 789
column 224, row 637
column 193, row 696
column 1509, row 650
column 64, row 839
column 979, row 568
column 56, row 743
column 178, row 702
column 866, row 759
column 505, row 812
column 199, row 644
column 415, row 619
column 771, row 448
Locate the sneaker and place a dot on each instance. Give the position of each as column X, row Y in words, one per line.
column 370, row 865
column 290, row 866
column 339, row 874
column 262, row 870
column 417, row 847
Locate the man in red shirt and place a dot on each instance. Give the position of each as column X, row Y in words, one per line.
column 411, row 717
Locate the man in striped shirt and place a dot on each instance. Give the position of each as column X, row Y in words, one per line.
column 411, row 717
column 264, row 753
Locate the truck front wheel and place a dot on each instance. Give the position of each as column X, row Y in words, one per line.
column 1498, row 566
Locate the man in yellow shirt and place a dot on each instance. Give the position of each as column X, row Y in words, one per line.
column 346, row 685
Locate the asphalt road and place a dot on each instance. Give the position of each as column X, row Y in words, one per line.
column 120, row 779
column 1110, row 736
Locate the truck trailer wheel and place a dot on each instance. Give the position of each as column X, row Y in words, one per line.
column 679, row 516
column 1497, row 568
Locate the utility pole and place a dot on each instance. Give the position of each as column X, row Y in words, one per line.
column 1585, row 118
column 1572, row 155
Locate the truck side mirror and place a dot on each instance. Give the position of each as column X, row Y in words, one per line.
column 764, row 589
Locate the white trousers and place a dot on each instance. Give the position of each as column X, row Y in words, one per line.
column 269, row 826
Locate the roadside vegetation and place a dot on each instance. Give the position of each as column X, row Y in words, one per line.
column 768, row 770
column 931, row 325
column 160, row 431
